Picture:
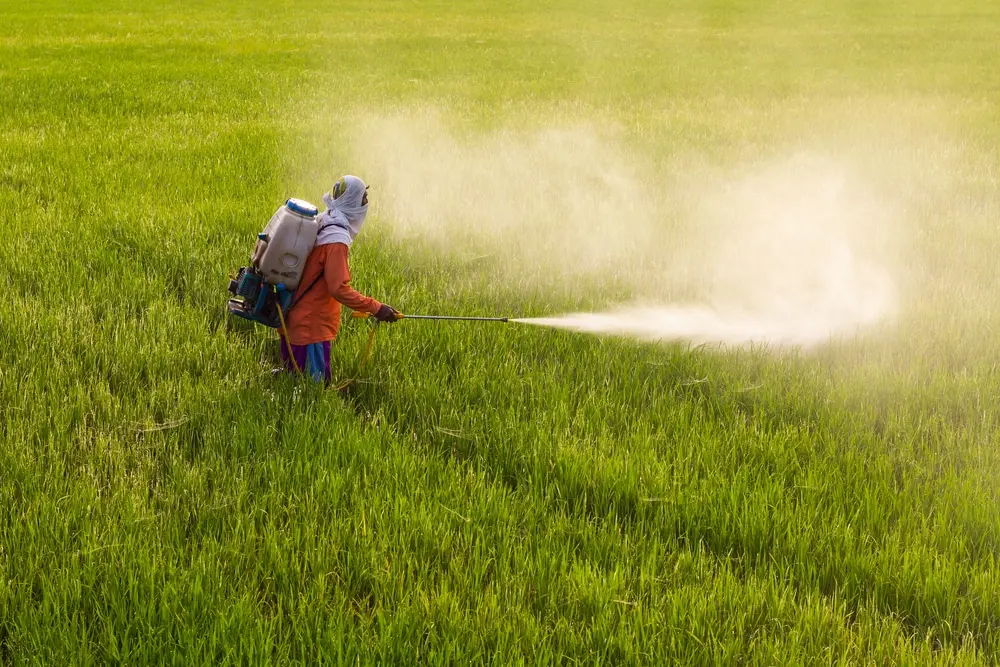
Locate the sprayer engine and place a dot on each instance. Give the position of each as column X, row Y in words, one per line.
column 256, row 300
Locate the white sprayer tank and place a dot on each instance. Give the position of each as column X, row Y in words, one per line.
column 282, row 248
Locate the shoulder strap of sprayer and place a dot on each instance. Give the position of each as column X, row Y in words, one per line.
column 305, row 291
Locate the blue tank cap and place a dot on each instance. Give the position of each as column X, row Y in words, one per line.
column 302, row 207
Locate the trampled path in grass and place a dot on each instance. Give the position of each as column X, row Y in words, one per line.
column 482, row 493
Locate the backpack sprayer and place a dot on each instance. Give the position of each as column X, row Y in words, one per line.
column 263, row 291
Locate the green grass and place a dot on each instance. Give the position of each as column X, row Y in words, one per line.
column 488, row 494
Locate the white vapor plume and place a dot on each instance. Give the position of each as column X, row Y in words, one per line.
column 789, row 256
column 788, row 253
column 703, row 324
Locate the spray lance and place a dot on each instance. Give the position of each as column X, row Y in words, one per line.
column 453, row 318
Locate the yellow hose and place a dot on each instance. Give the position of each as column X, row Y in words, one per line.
column 368, row 349
column 346, row 383
column 288, row 343
column 364, row 360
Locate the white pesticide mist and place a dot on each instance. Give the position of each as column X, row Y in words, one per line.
column 789, row 256
column 790, row 253
column 555, row 204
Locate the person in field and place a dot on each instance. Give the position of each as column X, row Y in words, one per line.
column 314, row 319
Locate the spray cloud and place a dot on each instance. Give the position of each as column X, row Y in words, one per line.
column 787, row 253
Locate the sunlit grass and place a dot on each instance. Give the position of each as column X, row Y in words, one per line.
column 481, row 493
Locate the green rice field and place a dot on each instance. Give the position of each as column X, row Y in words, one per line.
column 485, row 493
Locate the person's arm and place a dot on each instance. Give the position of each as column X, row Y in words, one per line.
column 338, row 281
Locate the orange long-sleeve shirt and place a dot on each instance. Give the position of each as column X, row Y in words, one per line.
column 315, row 315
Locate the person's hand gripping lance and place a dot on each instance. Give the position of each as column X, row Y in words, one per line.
column 385, row 314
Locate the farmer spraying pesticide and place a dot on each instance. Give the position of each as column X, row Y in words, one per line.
column 314, row 320
column 298, row 277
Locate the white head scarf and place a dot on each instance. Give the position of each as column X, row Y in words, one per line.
column 342, row 220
